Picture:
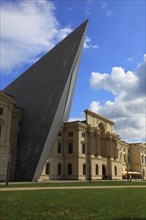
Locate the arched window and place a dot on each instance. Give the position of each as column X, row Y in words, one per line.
column 84, row 169
column 103, row 170
column 59, row 169
column 115, row 170
column 48, row 168
column 102, row 128
column 96, row 169
column 69, row 169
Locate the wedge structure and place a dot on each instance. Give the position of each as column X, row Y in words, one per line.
column 45, row 92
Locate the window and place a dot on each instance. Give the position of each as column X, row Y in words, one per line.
column 69, row 169
column 96, row 169
column 84, row 169
column 59, row 148
column 19, row 123
column 142, row 159
column 125, row 158
column 60, row 134
column 48, row 168
column 70, row 148
column 70, row 134
column 1, row 111
column 103, row 170
column 115, row 170
column 83, row 134
column 59, row 169
column 0, row 131
column 83, row 148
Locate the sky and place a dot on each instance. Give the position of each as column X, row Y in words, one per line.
column 112, row 75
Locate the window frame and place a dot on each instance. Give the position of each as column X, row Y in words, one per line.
column 59, row 147
column 70, row 148
column 69, row 169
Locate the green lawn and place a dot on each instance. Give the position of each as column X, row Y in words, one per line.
column 78, row 183
column 85, row 204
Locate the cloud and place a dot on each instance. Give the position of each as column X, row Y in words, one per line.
column 104, row 7
column 103, row 4
column 88, row 45
column 27, row 30
column 128, row 109
column 109, row 13
column 130, row 60
column 80, row 118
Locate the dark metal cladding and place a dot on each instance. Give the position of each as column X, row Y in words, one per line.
column 44, row 92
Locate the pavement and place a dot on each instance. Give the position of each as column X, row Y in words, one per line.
column 67, row 187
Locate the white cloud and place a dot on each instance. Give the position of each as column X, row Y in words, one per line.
column 27, row 30
column 128, row 109
column 109, row 13
column 105, row 7
column 103, row 4
column 116, row 82
column 80, row 118
column 130, row 60
column 88, row 45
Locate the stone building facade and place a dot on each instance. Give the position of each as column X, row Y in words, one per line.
column 83, row 150
column 91, row 150
column 10, row 118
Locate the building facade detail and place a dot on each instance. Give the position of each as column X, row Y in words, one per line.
column 10, row 118
column 91, row 150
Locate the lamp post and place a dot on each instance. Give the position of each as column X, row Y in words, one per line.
column 8, row 168
column 127, row 168
column 90, row 171
column 143, row 174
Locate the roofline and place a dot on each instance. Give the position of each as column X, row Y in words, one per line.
column 98, row 116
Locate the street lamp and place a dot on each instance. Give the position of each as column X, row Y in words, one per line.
column 8, row 168
column 89, row 164
column 127, row 168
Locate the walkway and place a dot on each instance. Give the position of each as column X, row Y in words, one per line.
column 66, row 187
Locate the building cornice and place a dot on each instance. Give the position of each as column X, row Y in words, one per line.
column 98, row 116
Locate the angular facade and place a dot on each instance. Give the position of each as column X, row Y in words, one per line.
column 90, row 149
column 44, row 92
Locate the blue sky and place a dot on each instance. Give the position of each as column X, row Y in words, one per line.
column 111, row 78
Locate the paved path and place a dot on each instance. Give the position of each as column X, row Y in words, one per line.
column 67, row 187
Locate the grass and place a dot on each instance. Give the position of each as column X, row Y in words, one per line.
column 78, row 183
column 77, row 204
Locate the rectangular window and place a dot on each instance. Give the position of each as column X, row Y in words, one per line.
column 70, row 148
column 83, row 134
column 70, row 134
column 59, row 148
column 60, row 134
column 1, row 111
column 142, row 159
column 83, row 148
column 0, row 131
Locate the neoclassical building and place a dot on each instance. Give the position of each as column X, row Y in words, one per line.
column 83, row 149
column 10, row 122
column 91, row 150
